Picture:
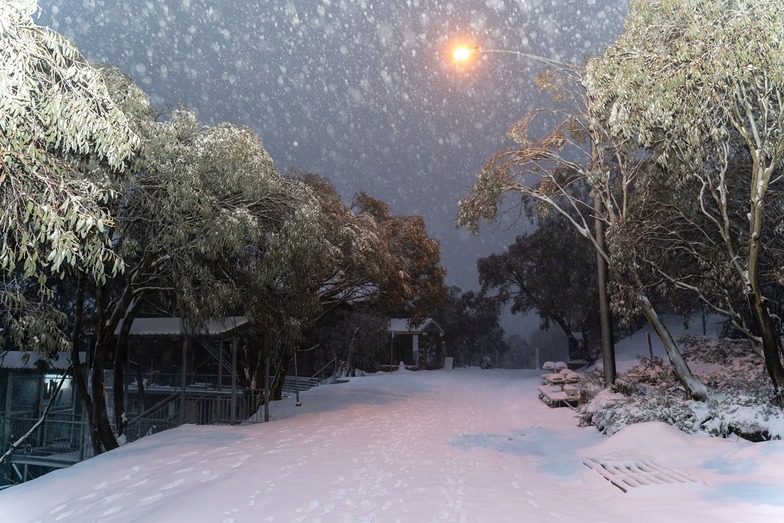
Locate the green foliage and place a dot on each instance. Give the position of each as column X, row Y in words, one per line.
column 208, row 228
column 57, row 124
column 37, row 327
column 700, row 84
column 209, row 223
column 200, row 225
column 55, row 113
column 685, row 72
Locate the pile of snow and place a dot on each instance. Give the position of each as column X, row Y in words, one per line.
column 464, row 445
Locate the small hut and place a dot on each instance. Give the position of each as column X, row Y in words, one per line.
column 416, row 346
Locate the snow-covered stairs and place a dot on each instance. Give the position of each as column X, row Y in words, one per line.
column 627, row 472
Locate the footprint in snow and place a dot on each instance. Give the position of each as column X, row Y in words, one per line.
column 173, row 484
column 154, row 497
column 110, row 511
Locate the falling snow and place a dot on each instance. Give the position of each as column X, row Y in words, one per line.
column 362, row 92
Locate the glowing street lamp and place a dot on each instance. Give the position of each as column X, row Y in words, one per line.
column 462, row 53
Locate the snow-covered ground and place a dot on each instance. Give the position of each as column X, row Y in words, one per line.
column 466, row 445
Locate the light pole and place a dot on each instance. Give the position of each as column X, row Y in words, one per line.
column 298, row 403
column 462, row 53
column 391, row 351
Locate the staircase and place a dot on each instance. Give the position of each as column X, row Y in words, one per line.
column 215, row 352
column 162, row 416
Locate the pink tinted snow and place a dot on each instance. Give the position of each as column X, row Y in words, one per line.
column 464, row 445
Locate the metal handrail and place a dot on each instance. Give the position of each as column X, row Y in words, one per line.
column 53, row 436
column 318, row 372
column 152, row 410
column 154, row 419
column 215, row 353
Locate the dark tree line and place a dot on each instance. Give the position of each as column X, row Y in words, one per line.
column 552, row 272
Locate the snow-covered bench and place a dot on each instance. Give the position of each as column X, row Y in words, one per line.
column 554, row 367
column 559, row 388
column 562, row 378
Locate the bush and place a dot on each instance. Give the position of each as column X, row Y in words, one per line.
column 739, row 404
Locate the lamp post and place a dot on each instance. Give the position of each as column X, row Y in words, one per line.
column 462, row 53
column 391, row 351
column 297, row 402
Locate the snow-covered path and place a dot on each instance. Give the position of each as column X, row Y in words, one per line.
column 466, row 445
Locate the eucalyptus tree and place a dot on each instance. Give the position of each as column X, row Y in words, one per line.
column 376, row 257
column 700, row 83
column 413, row 280
column 386, row 263
column 58, row 124
column 207, row 227
column 280, row 277
column 362, row 262
column 567, row 170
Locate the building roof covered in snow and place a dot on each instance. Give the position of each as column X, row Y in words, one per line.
column 402, row 326
column 177, row 326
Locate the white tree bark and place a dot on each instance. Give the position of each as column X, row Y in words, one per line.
column 696, row 389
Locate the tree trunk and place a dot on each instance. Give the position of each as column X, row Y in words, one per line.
column 79, row 372
column 605, row 315
column 571, row 340
column 350, row 356
column 771, row 340
column 120, row 363
column 103, row 437
column 276, row 388
column 693, row 385
column 102, row 429
column 265, row 389
column 123, row 308
column 771, row 343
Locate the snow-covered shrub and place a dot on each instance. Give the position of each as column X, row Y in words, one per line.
column 647, row 392
column 740, row 394
column 650, row 375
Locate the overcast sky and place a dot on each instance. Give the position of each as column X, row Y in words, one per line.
column 360, row 91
